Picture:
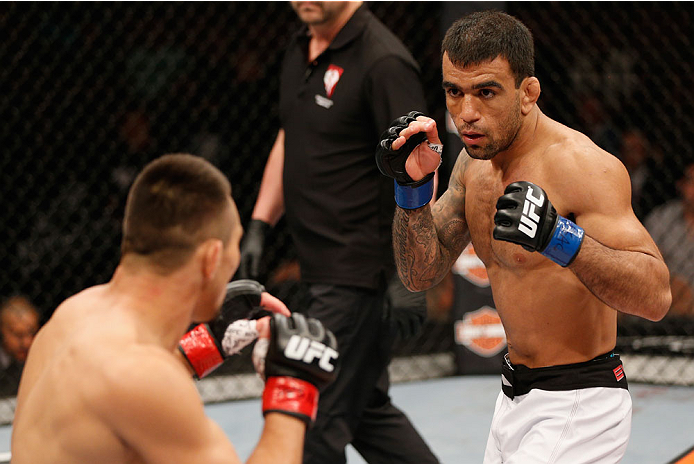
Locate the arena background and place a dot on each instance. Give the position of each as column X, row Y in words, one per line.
column 93, row 91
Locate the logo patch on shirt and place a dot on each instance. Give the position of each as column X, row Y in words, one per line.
column 331, row 78
column 324, row 102
column 618, row 373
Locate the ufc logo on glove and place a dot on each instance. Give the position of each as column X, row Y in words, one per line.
column 529, row 220
column 300, row 348
column 537, row 226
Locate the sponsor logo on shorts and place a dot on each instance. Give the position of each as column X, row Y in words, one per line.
column 529, row 219
column 618, row 373
column 481, row 332
column 303, row 349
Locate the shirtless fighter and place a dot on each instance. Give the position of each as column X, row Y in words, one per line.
column 104, row 381
column 549, row 213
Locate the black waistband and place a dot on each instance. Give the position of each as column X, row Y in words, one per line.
column 603, row 371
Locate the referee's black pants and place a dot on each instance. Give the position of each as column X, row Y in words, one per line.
column 356, row 407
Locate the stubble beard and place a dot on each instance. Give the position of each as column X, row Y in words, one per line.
column 508, row 129
column 324, row 16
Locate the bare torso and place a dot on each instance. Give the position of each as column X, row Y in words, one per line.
column 103, row 382
column 550, row 317
column 75, row 367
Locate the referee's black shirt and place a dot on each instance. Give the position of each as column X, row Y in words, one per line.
column 338, row 206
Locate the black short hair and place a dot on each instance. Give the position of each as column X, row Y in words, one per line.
column 485, row 35
column 175, row 203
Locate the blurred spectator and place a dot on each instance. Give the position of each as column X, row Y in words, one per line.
column 644, row 161
column 135, row 147
column 672, row 227
column 596, row 124
column 135, row 131
column 19, row 322
column 634, row 152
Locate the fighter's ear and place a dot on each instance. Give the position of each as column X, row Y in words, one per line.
column 530, row 92
column 211, row 256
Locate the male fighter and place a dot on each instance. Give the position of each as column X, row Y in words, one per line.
column 549, row 213
column 104, row 381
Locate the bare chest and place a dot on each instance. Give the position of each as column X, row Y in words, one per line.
column 483, row 187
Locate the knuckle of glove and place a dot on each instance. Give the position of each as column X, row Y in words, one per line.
column 241, row 298
column 519, row 186
column 315, row 328
column 513, row 221
column 401, row 123
column 509, row 201
column 389, row 136
column 297, row 350
column 244, row 288
column 503, row 219
column 392, row 162
column 393, row 132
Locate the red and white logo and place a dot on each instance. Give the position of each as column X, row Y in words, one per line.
column 470, row 267
column 481, row 332
column 331, row 78
column 618, row 373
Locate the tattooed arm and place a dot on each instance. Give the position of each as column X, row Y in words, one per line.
column 427, row 240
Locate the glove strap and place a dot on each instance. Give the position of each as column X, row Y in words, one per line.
column 411, row 197
column 565, row 243
column 291, row 396
column 200, row 349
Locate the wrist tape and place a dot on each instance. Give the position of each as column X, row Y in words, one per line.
column 437, row 147
column 565, row 243
column 239, row 335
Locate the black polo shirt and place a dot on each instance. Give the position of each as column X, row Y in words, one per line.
column 339, row 207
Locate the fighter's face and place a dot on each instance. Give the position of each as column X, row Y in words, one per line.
column 232, row 254
column 317, row 13
column 18, row 331
column 484, row 104
column 215, row 287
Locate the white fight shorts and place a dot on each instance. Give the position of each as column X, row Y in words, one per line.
column 569, row 414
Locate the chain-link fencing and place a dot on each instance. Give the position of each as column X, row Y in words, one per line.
column 93, row 91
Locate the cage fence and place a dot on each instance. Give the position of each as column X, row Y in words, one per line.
column 94, row 91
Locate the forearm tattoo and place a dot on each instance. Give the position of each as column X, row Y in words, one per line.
column 423, row 256
column 427, row 240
